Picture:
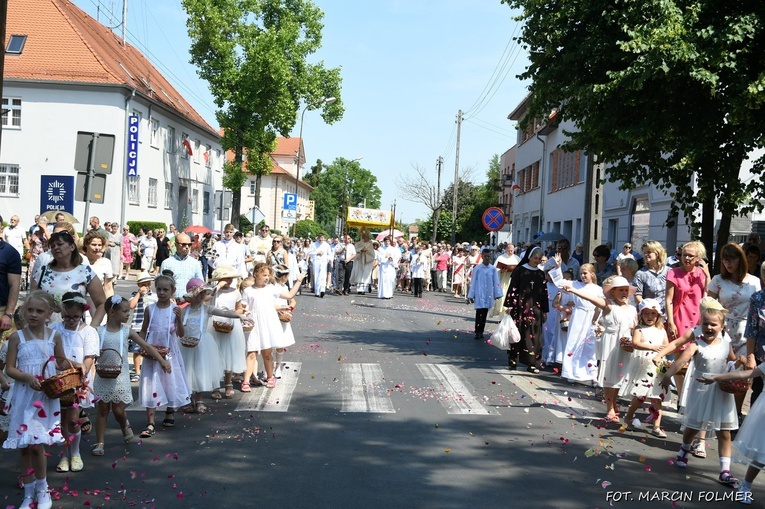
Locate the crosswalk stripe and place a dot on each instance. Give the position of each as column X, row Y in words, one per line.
column 276, row 399
column 362, row 389
column 454, row 392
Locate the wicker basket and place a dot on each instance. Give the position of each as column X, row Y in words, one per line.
column 247, row 328
column 107, row 369
column 285, row 315
column 67, row 399
column 223, row 327
column 189, row 342
column 63, row 382
column 734, row 386
column 161, row 350
column 626, row 344
column 564, row 324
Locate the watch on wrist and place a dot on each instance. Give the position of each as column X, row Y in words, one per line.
column 9, row 315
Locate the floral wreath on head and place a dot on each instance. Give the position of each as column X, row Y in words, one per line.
column 75, row 299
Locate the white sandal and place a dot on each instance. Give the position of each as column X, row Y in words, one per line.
column 699, row 449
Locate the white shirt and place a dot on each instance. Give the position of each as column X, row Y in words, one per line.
column 15, row 237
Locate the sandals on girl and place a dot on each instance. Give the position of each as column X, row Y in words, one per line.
column 148, row 431
column 216, row 394
column 98, row 449
column 246, row 388
column 682, row 457
column 85, row 424
column 699, row 449
column 169, row 420
column 229, row 392
column 727, row 479
column 270, row 383
column 127, row 434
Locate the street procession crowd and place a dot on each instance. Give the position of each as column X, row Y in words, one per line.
column 206, row 308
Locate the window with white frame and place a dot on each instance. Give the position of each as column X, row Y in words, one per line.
column 252, row 188
column 134, row 195
column 208, row 156
column 206, row 203
column 197, row 151
column 11, row 112
column 168, row 195
column 9, row 179
column 195, row 200
column 154, row 133
column 170, row 139
column 152, row 193
column 185, row 145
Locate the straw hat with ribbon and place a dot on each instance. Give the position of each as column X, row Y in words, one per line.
column 619, row 282
column 144, row 277
column 225, row 271
column 194, row 287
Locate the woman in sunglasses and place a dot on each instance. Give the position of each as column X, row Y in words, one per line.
column 66, row 273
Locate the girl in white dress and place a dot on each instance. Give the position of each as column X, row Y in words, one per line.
column 115, row 394
column 231, row 345
column 162, row 326
column 579, row 364
column 644, row 381
column 286, row 305
column 749, row 445
column 619, row 319
column 35, row 418
column 80, row 342
column 267, row 332
column 202, row 362
column 708, row 406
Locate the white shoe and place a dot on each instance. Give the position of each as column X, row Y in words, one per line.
column 26, row 503
column 43, row 500
column 744, row 496
column 278, row 371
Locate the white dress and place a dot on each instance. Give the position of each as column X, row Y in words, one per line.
column 643, row 380
column 708, row 407
column 115, row 390
column 231, row 345
column 79, row 344
column 579, row 363
column 615, row 362
column 550, row 327
column 749, row 444
column 203, row 369
column 158, row 388
column 735, row 298
column 31, row 425
column 268, row 331
column 5, row 420
column 387, row 271
column 288, row 339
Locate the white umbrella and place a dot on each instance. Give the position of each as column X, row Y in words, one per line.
column 385, row 233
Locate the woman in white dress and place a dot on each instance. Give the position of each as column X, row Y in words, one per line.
column 387, row 264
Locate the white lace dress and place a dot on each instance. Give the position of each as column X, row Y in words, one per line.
column 114, row 390
column 79, row 344
column 615, row 362
column 30, row 424
column 203, row 369
column 643, row 380
column 158, row 388
column 231, row 345
column 268, row 332
column 288, row 339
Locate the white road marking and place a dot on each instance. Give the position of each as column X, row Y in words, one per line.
column 362, row 389
column 454, row 392
column 273, row 400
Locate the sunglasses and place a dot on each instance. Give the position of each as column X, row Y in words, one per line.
column 184, row 244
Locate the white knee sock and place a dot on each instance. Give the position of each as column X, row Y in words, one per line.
column 41, row 484
column 278, row 358
column 74, row 444
column 724, row 464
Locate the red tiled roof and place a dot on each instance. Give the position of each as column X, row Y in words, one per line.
column 286, row 146
column 65, row 44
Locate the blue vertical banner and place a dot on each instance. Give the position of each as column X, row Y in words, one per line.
column 132, row 145
column 56, row 193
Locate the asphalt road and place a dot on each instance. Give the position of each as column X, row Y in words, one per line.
column 391, row 403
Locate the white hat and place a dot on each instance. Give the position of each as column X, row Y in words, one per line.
column 619, row 282
column 649, row 304
column 144, row 277
column 225, row 271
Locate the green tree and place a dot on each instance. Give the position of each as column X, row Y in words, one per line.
column 667, row 92
column 253, row 54
column 332, row 191
column 308, row 228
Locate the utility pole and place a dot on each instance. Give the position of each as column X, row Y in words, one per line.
column 437, row 211
column 124, row 20
column 456, row 178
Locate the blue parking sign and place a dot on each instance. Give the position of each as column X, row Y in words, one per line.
column 290, row 201
column 56, row 193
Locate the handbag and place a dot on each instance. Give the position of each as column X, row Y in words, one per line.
column 506, row 334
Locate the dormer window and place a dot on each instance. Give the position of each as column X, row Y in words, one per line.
column 16, row 44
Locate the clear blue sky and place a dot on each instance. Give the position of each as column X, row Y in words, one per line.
column 408, row 66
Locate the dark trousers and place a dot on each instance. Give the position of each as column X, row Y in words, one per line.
column 347, row 268
column 417, row 286
column 480, row 320
column 757, row 385
column 434, row 280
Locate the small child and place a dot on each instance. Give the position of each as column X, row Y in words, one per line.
column 708, row 407
column 6, row 382
column 140, row 300
column 80, row 342
column 284, row 305
column 231, row 345
column 268, row 332
column 644, row 380
column 162, row 326
column 35, row 418
column 485, row 288
column 115, row 394
column 418, row 272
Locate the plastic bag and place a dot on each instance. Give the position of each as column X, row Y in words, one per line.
column 506, row 334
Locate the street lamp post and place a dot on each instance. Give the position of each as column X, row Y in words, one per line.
column 326, row 100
